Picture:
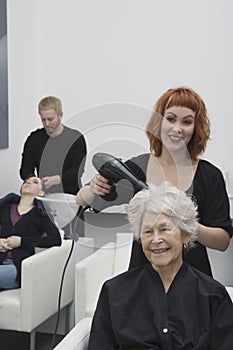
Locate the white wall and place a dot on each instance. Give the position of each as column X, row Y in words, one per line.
column 109, row 61
column 21, row 67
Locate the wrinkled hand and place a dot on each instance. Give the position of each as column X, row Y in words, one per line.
column 99, row 185
column 13, row 242
column 49, row 181
column 3, row 245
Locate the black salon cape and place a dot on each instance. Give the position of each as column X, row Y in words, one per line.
column 133, row 312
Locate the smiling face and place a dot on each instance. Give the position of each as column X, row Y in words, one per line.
column 177, row 127
column 162, row 242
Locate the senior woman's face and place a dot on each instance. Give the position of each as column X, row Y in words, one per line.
column 162, row 241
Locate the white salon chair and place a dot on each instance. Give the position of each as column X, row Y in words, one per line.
column 110, row 260
column 64, row 209
column 221, row 264
column 25, row 308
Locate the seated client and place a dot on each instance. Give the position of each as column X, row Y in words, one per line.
column 167, row 304
column 24, row 226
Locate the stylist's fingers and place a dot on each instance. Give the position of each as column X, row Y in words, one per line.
column 99, row 185
column 46, row 182
column 102, row 182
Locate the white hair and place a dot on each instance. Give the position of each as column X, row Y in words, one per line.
column 168, row 200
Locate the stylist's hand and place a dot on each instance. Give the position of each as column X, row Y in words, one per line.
column 99, row 185
column 49, row 181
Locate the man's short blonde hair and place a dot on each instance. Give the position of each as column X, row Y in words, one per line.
column 50, row 102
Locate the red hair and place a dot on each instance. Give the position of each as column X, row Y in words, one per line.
column 181, row 97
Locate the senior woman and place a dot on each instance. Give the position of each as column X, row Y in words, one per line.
column 166, row 304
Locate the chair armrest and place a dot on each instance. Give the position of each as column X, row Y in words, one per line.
column 78, row 337
column 90, row 274
column 40, row 284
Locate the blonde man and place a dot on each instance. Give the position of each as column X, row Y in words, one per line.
column 55, row 152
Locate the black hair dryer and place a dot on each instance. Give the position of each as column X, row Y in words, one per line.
column 114, row 169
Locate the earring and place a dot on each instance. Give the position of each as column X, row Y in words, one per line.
column 185, row 246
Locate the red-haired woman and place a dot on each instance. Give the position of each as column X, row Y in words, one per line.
column 178, row 131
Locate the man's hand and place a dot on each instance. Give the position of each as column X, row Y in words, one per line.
column 49, row 181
